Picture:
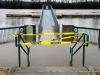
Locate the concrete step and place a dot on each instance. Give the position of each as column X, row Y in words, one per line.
column 51, row 71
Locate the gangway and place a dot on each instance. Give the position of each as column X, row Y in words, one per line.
column 48, row 21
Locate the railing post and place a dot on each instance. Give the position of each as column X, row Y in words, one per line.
column 28, row 52
column 77, row 33
column 87, row 40
column 19, row 59
column 76, row 30
column 83, row 64
column 71, row 52
column 16, row 41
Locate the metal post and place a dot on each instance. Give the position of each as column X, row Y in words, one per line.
column 87, row 40
column 83, row 64
column 71, row 51
column 28, row 50
column 99, row 39
column 77, row 34
column 16, row 41
column 76, row 30
column 19, row 59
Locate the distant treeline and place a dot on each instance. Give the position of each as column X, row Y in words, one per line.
column 56, row 5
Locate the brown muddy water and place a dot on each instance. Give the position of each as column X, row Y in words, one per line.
column 45, row 56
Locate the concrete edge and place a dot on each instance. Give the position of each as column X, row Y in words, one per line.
column 97, row 69
column 91, row 70
column 11, row 71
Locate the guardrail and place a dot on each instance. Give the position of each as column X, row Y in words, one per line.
column 40, row 20
column 92, row 35
column 55, row 19
column 92, row 32
column 5, row 36
column 5, row 33
column 20, row 44
column 85, row 42
column 18, row 39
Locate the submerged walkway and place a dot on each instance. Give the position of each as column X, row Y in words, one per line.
column 48, row 24
column 47, row 19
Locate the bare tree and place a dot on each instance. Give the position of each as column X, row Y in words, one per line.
column 48, row 0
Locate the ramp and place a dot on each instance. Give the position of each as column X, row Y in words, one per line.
column 51, row 71
column 48, row 22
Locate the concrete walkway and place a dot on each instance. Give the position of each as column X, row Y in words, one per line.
column 51, row 71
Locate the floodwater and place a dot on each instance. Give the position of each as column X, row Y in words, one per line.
column 42, row 55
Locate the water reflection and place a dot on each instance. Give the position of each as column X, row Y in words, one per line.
column 85, row 22
column 16, row 21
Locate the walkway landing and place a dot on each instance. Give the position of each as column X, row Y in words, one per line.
column 51, row 71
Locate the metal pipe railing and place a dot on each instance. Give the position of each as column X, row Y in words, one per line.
column 19, row 37
column 92, row 32
column 13, row 27
column 84, row 43
column 5, row 33
column 40, row 21
column 55, row 19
